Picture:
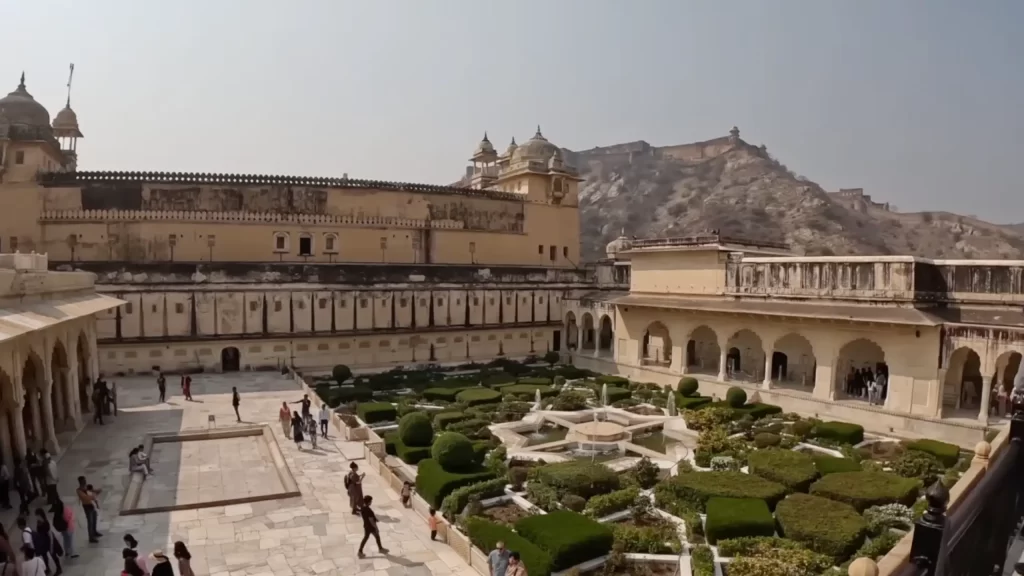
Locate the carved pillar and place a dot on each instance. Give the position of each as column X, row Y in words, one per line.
column 722, row 359
column 18, row 429
column 986, row 401
column 56, row 398
column 767, row 371
column 33, row 408
column 47, row 418
column 5, row 438
column 75, row 408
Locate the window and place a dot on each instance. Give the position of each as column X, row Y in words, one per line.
column 179, row 308
column 552, row 253
column 565, row 251
column 508, row 300
column 442, row 340
column 402, row 302
column 277, row 306
column 19, row 157
column 440, row 301
column 302, row 347
column 128, row 308
column 305, row 245
column 476, row 301
column 362, row 302
column 181, row 352
column 323, row 346
column 343, row 346
column 154, row 308
column 323, row 303
column 14, row 244
column 280, row 348
column 255, row 349
column 280, row 242
column 540, row 300
column 253, row 305
column 540, row 249
column 156, row 353
column 490, row 301
column 558, row 184
column 301, row 305
column 330, row 242
column 343, row 304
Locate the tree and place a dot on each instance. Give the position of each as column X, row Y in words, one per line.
column 341, row 373
column 552, row 357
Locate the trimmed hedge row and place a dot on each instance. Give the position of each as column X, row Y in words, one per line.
column 578, row 477
column 692, row 402
column 794, row 470
column 736, row 518
column 612, row 380
column 605, row 504
column 830, row 465
column 478, row 395
column 844, row 432
column 408, row 454
column 456, row 502
column 338, row 395
column 529, row 391
column 443, row 419
column 615, row 394
column 435, row 484
column 825, row 526
column 372, row 412
column 696, row 488
column 947, row 454
column 534, row 381
column 569, row 538
column 443, row 394
column 485, row 535
column 863, row 490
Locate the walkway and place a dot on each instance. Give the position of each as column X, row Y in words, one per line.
column 313, row 534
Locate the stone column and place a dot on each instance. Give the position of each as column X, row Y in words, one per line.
column 56, row 397
column 722, row 359
column 74, row 401
column 5, row 438
column 986, row 400
column 94, row 358
column 767, row 372
column 18, row 430
column 49, row 431
column 33, row 406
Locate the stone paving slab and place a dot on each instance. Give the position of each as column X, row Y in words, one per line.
column 313, row 534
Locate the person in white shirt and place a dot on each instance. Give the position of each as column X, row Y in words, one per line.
column 325, row 419
column 32, row 566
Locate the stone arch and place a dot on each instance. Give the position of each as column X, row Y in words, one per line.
column 1007, row 367
column 12, row 439
column 587, row 340
column 856, row 356
column 32, row 374
column 84, row 381
column 606, row 335
column 793, row 360
column 572, row 331
column 962, row 386
column 656, row 347
column 230, row 359
column 702, row 350
column 745, row 357
column 61, row 403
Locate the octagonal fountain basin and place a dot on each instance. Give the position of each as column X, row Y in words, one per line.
column 547, row 434
column 597, row 431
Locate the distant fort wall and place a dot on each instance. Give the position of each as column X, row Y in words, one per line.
column 629, row 151
column 855, row 199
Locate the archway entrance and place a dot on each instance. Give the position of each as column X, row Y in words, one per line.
column 793, row 361
column 657, row 345
column 31, row 413
column 780, row 366
column 588, row 333
column 745, row 360
column 229, row 359
column 604, row 342
column 861, row 361
column 702, row 351
column 59, row 398
column 962, row 386
column 571, row 332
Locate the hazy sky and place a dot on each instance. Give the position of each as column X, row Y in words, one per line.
column 920, row 102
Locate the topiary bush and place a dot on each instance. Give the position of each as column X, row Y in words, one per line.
column 767, row 440
column 414, row 429
column 688, row 386
column 495, row 380
column 578, row 477
column 917, row 464
column 552, row 357
column 737, row 517
column 574, row 502
column 840, row 432
column 802, row 428
column 863, row 490
column 517, row 477
column 615, row 394
column 443, row 419
column 794, row 470
column 736, row 397
column 485, row 535
column 696, row 488
column 831, row 465
column 529, row 391
column 341, row 373
column 534, row 381
column 945, row 453
column 605, row 504
column 372, row 412
column 455, row 502
column 453, row 451
column 443, row 394
column 478, row 395
column 569, row 538
column 692, row 402
column 823, row 525
column 408, row 454
column 337, row 395
column 434, row 483
column 612, row 380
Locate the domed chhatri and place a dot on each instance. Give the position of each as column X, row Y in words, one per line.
column 620, row 244
column 21, row 109
column 485, row 146
column 536, row 148
column 65, row 123
column 511, row 147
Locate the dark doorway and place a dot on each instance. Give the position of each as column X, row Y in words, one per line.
column 229, row 359
column 305, row 246
column 780, row 365
column 556, row 341
column 732, row 360
column 691, row 353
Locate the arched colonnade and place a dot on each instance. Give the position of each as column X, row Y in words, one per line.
column 979, row 383
column 587, row 335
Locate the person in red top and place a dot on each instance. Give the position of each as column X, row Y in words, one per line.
column 188, row 388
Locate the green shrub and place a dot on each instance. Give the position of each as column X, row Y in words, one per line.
column 863, row 490
column 337, row 395
column 947, row 454
column 495, row 380
column 579, row 477
column 534, row 381
column 757, row 410
column 737, row 517
column 688, row 386
column 529, row 391
column 414, row 429
column 443, row 394
column 605, row 504
column 435, row 483
column 824, row 526
column 771, row 428
column 573, row 373
column 802, row 428
column 767, row 440
column 702, row 561
column 840, row 432
column 542, row 495
column 341, row 373
column 831, row 465
column 615, row 394
column 552, row 357
column 485, row 535
column 453, row 451
column 517, row 476
column 755, row 545
column 916, row 464
column 736, row 397
column 371, row 412
column 573, row 502
column 480, row 450
column 783, row 562
column 455, row 502
column 569, row 401
column 443, row 419
column 794, row 470
column 569, row 538
column 470, row 428
column 696, row 488
column 707, row 418
column 691, row 402
column 612, row 380
column 477, row 396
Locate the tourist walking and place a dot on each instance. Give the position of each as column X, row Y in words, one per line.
column 161, row 385
column 235, row 401
column 354, row 487
column 497, row 560
column 35, row 473
column 187, row 388
column 87, row 497
column 44, row 542
column 285, row 416
column 311, row 429
column 325, row 419
column 161, row 564
column 515, row 565
column 8, row 561
column 184, row 559
column 64, row 524
column 5, row 486
column 98, row 400
column 369, row 526
column 305, row 405
column 23, row 484
column 432, row 523
column 297, row 430
column 31, row 565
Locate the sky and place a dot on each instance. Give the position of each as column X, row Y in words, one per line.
column 919, row 102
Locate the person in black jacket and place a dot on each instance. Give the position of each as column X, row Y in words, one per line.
column 369, row 526
column 42, row 541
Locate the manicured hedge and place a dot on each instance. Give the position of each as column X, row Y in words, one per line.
column 485, row 535
column 736, row 518
column 612, row 380
column 840, row 432
column 947, row 454
column 445, row 394
column 688, row 386
column 605, row 504
column 578, row 477
column 529, row 391
column 758, row 410
column 794, row 470
column 572, row 373
column 863, row 490
column 569, row 538
column 831, row 465
column 824, row 526
column 338, row 395
column 415, row 429
column 456, row 502
column 389, row 443
column 477, row 396
column 696, row 488
column 409, row 454
column 534, row 381
column 498, row 379
column 736, row 397
column 443, row 419
column 615, row 394
column 371, row 412
column 434, row 483
column 692, row 402
column 454, row 452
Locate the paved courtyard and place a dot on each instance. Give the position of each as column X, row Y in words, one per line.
column 312, row 534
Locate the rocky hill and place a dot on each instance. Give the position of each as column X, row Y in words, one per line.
column 740, row 189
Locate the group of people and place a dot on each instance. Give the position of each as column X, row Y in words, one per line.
column 186, row 386
column 104, row 400
column 33, row 476
column 297, row 426
column 503, row 562
column 160, row 564
column 868, row 384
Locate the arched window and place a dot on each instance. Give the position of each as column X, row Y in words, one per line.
column 281, row 243
column 331, row 243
